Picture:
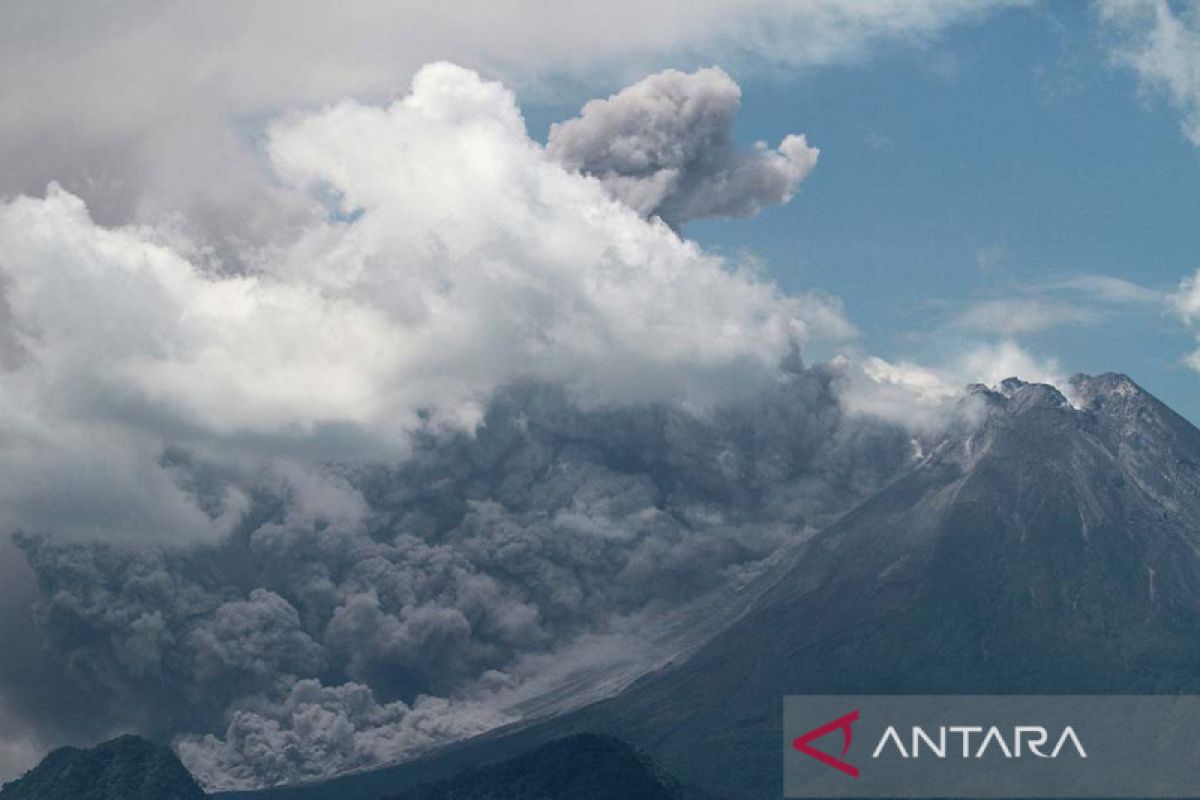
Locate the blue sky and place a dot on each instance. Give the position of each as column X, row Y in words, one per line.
column 1008, row 156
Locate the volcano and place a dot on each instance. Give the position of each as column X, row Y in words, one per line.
column 1044, row 543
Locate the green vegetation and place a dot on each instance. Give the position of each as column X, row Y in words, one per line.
column 126, row 768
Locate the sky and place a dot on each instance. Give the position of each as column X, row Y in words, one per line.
column 995, row 164
column 381, row 371
column 1027, row 160
column 971, row 153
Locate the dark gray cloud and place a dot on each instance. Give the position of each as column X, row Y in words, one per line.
column 313, row 730
column 313, row 639
column 665, row 147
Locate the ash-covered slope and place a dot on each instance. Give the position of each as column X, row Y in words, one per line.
column 1041, row 548
column 1045, row 549
column 1048, row 548
column 580, row 767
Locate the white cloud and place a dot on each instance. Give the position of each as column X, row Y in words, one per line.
column 497, row 262
column 1161, row 43
column 1078, row 299
column 1107, row 294
column 1185, row 302
column 149, row 108
column 924, row 398
column 991, row 363
column 1013, row 316
column 474, row 260
column 1109, row 289
column 1186, row 299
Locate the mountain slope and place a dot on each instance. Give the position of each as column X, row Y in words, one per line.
column 1043, row 547
column 1047, row 549
column 126, row 768
column 580, row 767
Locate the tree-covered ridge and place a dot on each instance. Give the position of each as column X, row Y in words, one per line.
column 125, row 768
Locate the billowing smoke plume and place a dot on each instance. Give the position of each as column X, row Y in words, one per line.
column 475, row 429
column 665, row 147
column 308, row 642
column 456, row 257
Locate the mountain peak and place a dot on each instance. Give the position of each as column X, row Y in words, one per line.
column 1108, row 391
column 1013, row 396
column 1110, row 395
column 1010, row 386
column 1032, row 423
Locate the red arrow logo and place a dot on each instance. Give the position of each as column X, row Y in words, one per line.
column 801, row 743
